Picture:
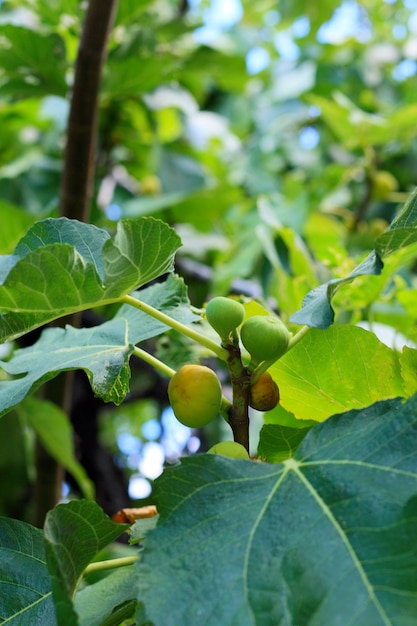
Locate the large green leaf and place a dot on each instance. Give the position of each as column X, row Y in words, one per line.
column 74, row 534
column 327, row 537
column 45, row 280
column 317, row 310
column 334, row 370
column 102, row 351
column 25, row 586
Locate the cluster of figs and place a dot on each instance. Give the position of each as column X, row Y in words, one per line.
column 195, row 392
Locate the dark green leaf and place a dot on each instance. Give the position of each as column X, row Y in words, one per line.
column 25, row 586
column 327, row 537
column 74, row 534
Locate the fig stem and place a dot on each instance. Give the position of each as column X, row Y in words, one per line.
column 265, row 365
column 182, row 328
column 298, row 336
column 240, row 379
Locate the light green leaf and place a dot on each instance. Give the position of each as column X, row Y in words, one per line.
column 55, row 432
column 14, row 223
column 408, row 360
column 96, row 602
column 34, row 63
column 278, row 443
column 74, row 534
column 25, row 586
column 334, row 370
column 123, row 78
column 102, row 351
column 325, row 538
column 86, row 269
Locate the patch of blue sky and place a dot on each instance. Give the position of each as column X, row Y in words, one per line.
column 412, row 22
column 405, row 69
column 308, row 138
column 301, row 27
column 218, row 17
column 349, row 20
column 257, row 60
column 399, row 31
column 285, row 46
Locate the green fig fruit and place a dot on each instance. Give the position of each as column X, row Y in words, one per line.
column 264, row 393
column 384, row 183
column 195, row 394
column 265, row 337
column 231, row 449
column 224, row 315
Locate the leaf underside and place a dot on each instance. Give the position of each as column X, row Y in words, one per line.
column 317, row 310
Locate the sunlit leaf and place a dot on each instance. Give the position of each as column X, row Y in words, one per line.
column 334, row 370
column 278, row 443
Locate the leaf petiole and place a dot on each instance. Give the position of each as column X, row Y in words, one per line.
column 101, row 566
column 182, row 328
column 154, row 362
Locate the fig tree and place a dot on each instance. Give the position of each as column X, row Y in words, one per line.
column 195, row 394
column 224, row 315
column 230, row 448
column 264, row 393
column 265, row 337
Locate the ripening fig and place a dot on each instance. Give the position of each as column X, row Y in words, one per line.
column 264, row 393
column 224, row 315
column 265, row 337
column 195, row 394
column 231, row 449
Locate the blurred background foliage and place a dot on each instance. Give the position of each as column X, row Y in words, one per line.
column 278, row 138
